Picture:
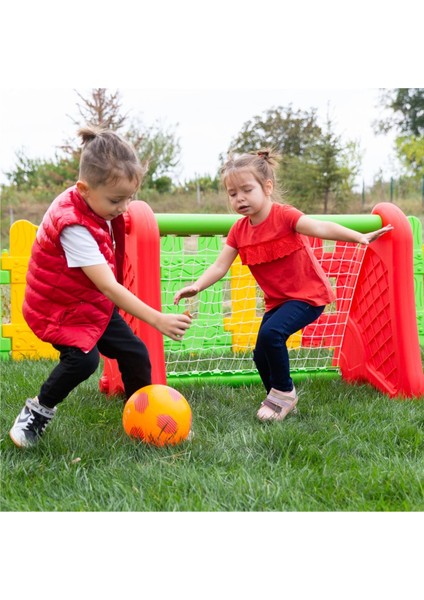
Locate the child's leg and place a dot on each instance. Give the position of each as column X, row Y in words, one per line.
column 119, row 341
column 270, row 355
column 259, row 356
column 74, row 367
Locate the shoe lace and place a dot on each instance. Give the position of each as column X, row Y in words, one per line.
column 37, row 423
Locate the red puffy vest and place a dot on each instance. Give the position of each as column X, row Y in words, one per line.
column 61, row 305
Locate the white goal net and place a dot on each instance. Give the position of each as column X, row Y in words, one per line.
column 226, row 316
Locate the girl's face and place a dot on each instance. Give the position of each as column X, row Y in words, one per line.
column 247, row 196
column 109, row 200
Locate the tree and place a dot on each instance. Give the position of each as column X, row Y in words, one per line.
column 407, row 119
column 315, row 165
column 159, row 148
column 102, row 108
column 410, row 150
column 43, row 175
column 407, row 111
column 154, row 145
column 288, row 131
column 336, row 167
column 99, row 109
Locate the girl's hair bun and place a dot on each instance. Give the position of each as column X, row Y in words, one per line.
column 269, row 155
column 87, row 134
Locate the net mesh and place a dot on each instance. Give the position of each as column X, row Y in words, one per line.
column 226, row 316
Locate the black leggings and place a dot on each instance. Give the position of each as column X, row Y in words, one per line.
column 118, row 341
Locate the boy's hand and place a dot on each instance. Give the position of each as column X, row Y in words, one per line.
column 174, row 326
column 187, row 292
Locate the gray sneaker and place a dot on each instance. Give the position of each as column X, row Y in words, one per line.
column 31, row 423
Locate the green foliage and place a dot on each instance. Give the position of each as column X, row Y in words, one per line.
column 326, row 172
column 204, row 183
column 406, row 106
column 336, row 168
column 163, row 184
column 410, row 150
column 297, row 177
column 316, row 167
column 48, row 175
column 157, row 147
column 287, row 131
column 34, row 183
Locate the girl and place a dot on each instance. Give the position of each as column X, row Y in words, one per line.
column 295, row 287
column 74, row 282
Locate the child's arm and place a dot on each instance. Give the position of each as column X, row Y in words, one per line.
column 173, row 326
column 212, row 274
column 328, row 230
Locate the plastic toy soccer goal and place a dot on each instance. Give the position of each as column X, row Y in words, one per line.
column 368, row 334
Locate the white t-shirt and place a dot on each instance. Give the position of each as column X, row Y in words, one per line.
column 81, row 249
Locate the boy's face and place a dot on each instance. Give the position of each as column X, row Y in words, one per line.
column 109, row 200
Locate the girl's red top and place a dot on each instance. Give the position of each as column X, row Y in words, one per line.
column 280, row 259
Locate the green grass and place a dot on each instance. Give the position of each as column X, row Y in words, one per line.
column 350, row 448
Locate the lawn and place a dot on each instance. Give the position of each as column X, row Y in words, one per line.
column 349, row 448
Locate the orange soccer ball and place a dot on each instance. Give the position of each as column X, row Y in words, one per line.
column 157, row 414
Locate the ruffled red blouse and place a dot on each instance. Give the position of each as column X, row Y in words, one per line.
column 280, row 259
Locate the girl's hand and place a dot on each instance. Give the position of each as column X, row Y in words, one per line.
column 174, row 326
column 187, row 292
column 367, row 238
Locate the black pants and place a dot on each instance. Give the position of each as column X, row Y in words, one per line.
column 75, row 366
